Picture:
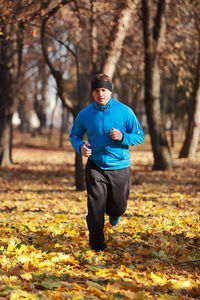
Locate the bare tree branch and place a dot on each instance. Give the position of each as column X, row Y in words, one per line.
column 56, row 73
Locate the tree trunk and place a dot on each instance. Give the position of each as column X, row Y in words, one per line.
column 10, row 63
column 44, row 76
column 64, row 118
column 5, row 139
column 118, row 35
column 5, row 111
column 192, row 134
column 93, row 37
column 79, row 173
column 6, row 104
column 24, row 125
column 52, row 118
column 153, row 36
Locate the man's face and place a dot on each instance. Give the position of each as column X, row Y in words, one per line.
column 101, row 95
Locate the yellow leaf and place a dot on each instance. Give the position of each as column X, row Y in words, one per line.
column 57, row 245
column 31, row 226
column 179, row 284
column 190, row 235
column 27, row 276
column 104, row 273
column 22, row 249
column 76, row 287
column 20, row 294
column 158, row 279
column 11, row 247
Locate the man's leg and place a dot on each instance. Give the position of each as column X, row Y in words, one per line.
column 97, row 193
column 118, row 191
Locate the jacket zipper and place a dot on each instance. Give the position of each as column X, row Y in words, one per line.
column 103, row 138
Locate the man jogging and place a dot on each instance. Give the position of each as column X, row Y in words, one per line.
column 111, row 128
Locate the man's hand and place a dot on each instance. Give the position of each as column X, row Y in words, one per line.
column 85, row 150
column 116, row 134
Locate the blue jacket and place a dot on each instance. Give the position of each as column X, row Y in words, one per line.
column 98, row 121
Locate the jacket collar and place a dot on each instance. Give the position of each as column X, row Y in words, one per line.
column 103, row 107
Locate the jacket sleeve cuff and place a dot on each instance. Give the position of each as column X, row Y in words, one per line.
column 123, row 141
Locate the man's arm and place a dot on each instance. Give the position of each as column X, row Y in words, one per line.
column 134, row 134
column 76, row 134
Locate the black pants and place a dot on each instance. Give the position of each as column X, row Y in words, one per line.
column 108, row 193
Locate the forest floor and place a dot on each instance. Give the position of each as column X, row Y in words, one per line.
column 153, row 252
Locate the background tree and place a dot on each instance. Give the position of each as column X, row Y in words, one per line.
column 118, row 34
column 10, row 63
column 41, row 85
column 192, row 134
column 14, row 21
column 154, row 30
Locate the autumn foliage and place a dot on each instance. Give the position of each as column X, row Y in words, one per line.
column 153, row 253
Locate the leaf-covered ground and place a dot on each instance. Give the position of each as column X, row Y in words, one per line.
column 153, row 253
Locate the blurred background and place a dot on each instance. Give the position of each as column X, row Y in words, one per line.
column 49, row 50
